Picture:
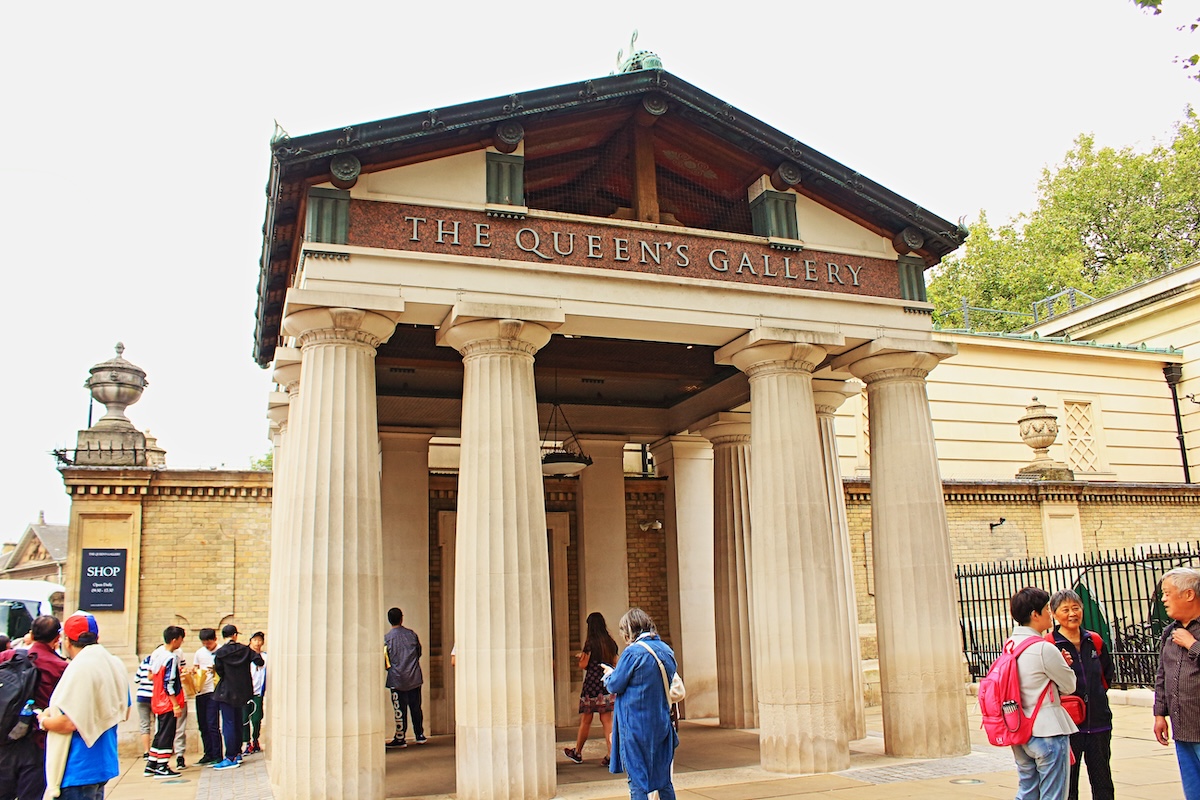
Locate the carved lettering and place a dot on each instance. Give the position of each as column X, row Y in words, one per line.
column 415, row 222
column 441, row 234
column 810, row 270
column 787, row 268
column 622, row 249
column 681, row 252
column 594, row 247
column 654, row 254
column 854, row 273
column 483, row 234
column 832, row 270
column 533, row 248
column 767, row 267
column 724, row 261
column 746, row 264
column 570, row 244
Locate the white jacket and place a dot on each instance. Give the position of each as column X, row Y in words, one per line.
column 1040, row 664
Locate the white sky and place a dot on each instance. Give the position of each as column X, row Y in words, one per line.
column 135, row 145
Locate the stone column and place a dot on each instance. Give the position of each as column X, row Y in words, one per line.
column 687, row 462
column 800, row 671
column 730, row 437
column 504, row 702
column 920, row 648
column 404, row 500
column 331, row 719
column 603, row 566
column 828, row 395
column 287, row 377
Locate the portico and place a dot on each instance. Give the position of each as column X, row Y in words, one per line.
column 672, row 275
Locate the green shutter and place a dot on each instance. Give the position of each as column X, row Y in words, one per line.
column 912, row 278
column 774, row 214
column 328, row 216
column 505, row 179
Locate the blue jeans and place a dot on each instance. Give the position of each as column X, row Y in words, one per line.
column 665, row 793
column 1188, row 754
column 1043, row 765
column 92, row 791
column 231, row 729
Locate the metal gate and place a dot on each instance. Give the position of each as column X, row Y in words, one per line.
column 1120, row 593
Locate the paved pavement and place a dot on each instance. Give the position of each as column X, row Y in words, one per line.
column 714, row 764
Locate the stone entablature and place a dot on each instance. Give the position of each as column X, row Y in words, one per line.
column 126, row 482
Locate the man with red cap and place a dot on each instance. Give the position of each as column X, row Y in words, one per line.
column 82, row 715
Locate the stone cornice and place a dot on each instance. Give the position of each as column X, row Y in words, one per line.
column 125, row 482
column 955, row 491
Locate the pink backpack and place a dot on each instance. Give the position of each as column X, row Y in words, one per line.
column 1000, row 698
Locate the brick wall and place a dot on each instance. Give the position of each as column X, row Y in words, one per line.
column 205, row 556
column 647, row 552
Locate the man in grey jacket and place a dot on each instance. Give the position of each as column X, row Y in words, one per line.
column 402, row 654
column 1177, row 686
column 1043, row 763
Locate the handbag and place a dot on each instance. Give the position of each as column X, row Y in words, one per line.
column 1075, row 707
column 674, row 688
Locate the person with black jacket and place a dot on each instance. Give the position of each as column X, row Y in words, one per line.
column 232, row 663
column 1093, row 668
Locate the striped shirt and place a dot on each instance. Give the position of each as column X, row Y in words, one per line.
column 145, row 685
column 1177, row 685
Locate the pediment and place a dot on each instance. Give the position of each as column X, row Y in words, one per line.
column 579, row 143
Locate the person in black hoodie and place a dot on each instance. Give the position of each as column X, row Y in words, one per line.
column 232, row 662
column 1093, row 673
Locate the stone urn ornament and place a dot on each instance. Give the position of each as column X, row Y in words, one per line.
column 117, row 384
column 1039, row 429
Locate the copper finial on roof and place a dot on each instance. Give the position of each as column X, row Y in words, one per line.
column 637, row 59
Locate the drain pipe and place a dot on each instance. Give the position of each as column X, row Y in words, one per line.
column 1174, row 374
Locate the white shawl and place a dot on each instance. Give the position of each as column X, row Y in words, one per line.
column 94, row 693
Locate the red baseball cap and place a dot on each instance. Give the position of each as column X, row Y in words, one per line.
column 81, row 628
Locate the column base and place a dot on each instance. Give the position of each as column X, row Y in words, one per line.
column 925, row 724
column 498, row 763
column 804, row 739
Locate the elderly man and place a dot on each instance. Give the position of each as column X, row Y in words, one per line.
column 1177, row 686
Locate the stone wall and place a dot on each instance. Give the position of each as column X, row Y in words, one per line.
column 647, row 554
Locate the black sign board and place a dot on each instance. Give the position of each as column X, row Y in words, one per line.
column 102, row 581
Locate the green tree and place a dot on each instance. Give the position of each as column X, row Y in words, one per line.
column 1105, row 219
column 1191, row 63
column 266, row 463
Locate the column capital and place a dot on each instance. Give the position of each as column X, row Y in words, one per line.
column 277, row 409
column 726, row 427
column 494, row 335
column 829, row 394
column 892, row 357
column 288, row 377
column 313, row 325
column 770, row 349
column 680, row 447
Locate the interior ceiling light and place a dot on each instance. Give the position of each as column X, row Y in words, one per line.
column 561, row 454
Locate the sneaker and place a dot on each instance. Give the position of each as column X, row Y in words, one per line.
column 207, row 760
column 180, row 764
column 146, row 756
column 396, row 743
column 150, row 771
column 165, row 771
column 604, row 762
column 257, row 747
column 573, row 755
column 227, row 764
column 422, row 740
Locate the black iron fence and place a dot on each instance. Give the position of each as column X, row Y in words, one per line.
column 1120, row 593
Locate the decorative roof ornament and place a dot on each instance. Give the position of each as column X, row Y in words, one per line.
column 117, row 384
column 637, row 59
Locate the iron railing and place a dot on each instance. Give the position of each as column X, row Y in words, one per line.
column 1120, row 593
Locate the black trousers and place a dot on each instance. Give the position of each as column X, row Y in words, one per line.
column 210, row 727
column 1096, row 750
column 164, row 738
column 22, row 770
column 407, row 704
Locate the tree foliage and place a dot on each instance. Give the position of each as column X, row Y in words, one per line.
column 1191, row 64
column 1105, row 220
column 265, row 464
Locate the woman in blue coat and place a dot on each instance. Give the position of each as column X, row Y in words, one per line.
column 643, row 741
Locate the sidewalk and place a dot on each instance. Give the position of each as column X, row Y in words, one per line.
column 716, row 764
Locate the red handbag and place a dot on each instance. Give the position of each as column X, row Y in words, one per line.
column 1075, row 707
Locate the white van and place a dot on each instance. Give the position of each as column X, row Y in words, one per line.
column 22, row 601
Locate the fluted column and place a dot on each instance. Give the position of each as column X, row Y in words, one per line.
column 287, row 376
column 504, row 704
column 332, row 720
column 736, row 698
column 800, row 673
column 920, row 658
column 828, row 395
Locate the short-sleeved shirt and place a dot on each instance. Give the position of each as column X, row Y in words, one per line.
column 204, row 660
column 95, row 764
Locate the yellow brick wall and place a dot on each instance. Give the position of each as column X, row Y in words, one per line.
column 205, row 558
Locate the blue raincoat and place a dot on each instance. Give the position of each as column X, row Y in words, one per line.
column 643, row 741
